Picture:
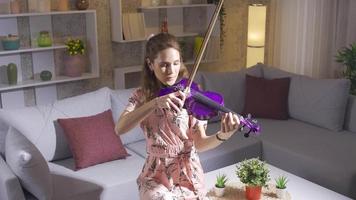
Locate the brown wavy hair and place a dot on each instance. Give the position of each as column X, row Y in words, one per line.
column 150, row 84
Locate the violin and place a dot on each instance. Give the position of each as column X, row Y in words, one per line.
column 206, row 104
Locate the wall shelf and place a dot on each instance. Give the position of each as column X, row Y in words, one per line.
column 45, row 58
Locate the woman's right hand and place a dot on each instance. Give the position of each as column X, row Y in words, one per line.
column 174, row 100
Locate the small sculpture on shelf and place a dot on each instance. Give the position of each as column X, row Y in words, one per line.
column 82, row 4
column 74, row 60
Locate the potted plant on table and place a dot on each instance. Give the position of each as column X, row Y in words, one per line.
column 74, row 61
column 255, row 175
column 347, row 56
column 281, row 186
column 220, row 185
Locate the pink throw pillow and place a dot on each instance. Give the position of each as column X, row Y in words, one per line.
column 92, row 139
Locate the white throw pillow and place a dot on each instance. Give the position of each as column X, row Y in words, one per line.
column 119, row 101
column 26, row 161
column 37, row 123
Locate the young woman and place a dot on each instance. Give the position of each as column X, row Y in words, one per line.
column 172, row 169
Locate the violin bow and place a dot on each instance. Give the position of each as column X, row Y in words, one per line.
column 204, row 45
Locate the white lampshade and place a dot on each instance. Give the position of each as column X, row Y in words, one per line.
column 256, row 25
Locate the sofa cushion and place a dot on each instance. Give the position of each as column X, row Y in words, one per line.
column 28, row 164
column 321, row 102
column 267, row 98
column 231, row 85
column 37, row 122
column 111, row 180
column 314, row 153
column 350, row 118
column 92, row 139
column 119, row 101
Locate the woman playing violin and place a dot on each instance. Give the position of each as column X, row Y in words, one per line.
column 173, row 137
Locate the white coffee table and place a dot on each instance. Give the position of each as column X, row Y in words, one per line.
column 298, row 188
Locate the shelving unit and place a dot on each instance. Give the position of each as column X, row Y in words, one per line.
column 45, row 58
column 184, row 21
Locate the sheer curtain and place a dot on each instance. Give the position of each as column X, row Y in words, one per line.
column 306, row 34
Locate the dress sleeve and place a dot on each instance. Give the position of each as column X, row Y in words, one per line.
column 135, row 101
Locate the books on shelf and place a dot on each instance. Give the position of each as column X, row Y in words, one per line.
column 133, row 26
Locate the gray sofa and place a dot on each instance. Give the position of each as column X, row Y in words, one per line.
column 314, row 144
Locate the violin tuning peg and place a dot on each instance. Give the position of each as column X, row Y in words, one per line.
column 247, row 134
column 249, row 116
column 254, row 121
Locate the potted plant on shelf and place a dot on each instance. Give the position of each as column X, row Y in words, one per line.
column 255, row 175
column 220, row 185
column 347, row 56
column 74, row 61
column 281, row 186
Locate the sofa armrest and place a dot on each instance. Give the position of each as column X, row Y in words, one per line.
column 10, row 188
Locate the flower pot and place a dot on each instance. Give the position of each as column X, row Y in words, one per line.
column 74, row 65
column 219, row 192
column 281, row 193
column 253, row 192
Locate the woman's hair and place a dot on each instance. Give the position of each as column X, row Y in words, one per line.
column 150, row 84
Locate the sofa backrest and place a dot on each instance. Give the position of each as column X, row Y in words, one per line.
column 230, row 84
column 119, row 101
column 38, row 123
column 350, row 118
column 321, row 102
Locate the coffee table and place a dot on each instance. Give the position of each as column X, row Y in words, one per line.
column 297, row 187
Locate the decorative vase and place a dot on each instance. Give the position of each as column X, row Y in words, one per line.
column 12, row 73
column 44, row 39
column 281, row 193
column 253, row 192
column 82, row 4
column 219, row 192
column 74, row 65
column 62, row 5
column 46, row 75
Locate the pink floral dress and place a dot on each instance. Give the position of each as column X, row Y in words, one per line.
column 172, row 169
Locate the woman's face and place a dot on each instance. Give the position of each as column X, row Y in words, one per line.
column 166, row 66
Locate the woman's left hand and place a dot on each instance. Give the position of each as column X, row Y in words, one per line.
column 229, row 125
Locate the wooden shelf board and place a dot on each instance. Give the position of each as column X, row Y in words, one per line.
column 46, row 13
column 32, row 49
column 57, row 79
column 176, row 6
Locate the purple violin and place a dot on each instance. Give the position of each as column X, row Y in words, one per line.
column 206, row 104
